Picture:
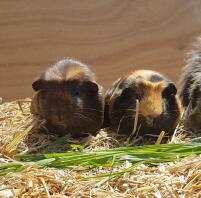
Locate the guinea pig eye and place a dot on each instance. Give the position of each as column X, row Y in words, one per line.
column 90, row 87
column 75, row 92
column 196, row 97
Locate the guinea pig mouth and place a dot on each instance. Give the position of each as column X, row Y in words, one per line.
column 149, row 121
column 61, row 124
column 56, row 128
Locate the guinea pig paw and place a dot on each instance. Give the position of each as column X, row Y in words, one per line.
column 169, row 91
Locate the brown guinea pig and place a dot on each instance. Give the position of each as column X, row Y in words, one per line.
column 191, row 88
column 159, row 107
column 69, row 99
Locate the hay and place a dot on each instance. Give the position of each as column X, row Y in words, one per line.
column 167, row 180
column 20, row 132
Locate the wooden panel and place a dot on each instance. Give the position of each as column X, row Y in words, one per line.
column 112, row 36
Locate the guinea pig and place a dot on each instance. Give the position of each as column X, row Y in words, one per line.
column 190, row 93
column 69, row 99
column 159, row 107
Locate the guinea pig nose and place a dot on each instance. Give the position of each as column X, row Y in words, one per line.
column 65, row 111
column 149, row 121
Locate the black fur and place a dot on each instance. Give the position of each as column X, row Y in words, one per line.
column 120, row 108
column 190, row 83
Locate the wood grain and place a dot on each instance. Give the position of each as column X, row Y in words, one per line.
column 112, row 36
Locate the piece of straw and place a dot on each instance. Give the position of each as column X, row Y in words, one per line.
column 160, row 137
column 176, row 129
column 135, row 121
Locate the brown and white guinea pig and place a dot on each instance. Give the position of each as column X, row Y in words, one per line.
column 191, row 88
column 159, row 107
column 69, row 99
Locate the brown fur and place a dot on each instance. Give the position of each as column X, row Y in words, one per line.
column 69, row 99
column 159, row 108
column 151, row 104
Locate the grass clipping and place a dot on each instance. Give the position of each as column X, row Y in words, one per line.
column 21, row 133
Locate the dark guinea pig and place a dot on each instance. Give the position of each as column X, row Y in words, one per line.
column 159, row 107
column 191, row 88
column 69, row 99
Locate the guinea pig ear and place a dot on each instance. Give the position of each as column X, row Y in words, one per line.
column 90, row 87
column 127, row 92
column 169, row 90
column 38, row 85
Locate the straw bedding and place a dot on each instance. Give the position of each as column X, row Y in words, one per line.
column 20, row 132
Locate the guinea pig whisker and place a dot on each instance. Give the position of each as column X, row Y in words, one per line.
column 129, row 109
column 132, row 110
column 175, row 110
column 115, row 112
column 92, row 109
column 81, row 116
column 124, row 110
column 119, row 125
column 60, row 124
column 128, row 116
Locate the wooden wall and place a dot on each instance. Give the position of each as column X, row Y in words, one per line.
column 113, row 36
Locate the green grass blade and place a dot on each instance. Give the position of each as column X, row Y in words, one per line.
column 147, row 154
